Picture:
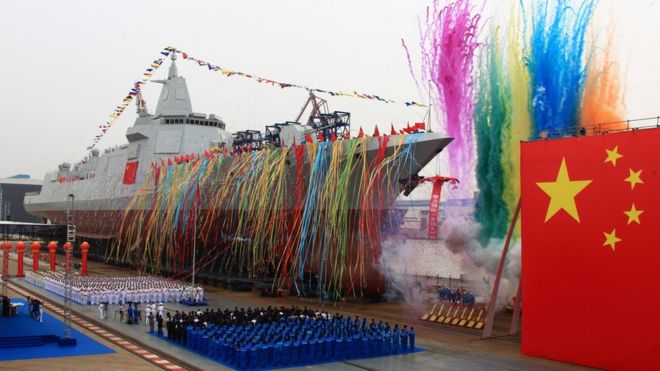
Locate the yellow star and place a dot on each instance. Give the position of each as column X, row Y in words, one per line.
column 562, row 193
column 611, row 239
column 613, row 155
column 634, row 178
column 633, row 214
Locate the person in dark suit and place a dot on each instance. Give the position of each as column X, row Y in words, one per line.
column 159, row 321
column 6, row 306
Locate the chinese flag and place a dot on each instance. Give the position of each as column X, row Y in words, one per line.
column 130, row 173
column 591, row 250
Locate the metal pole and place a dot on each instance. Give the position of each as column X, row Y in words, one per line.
column 194, row 262
column 194, row 250
column 490, row 315
column 71, row 237
column 430, row 107
column 4, row 285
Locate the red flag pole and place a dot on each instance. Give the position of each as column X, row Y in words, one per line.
column 490, row 315
column 85, row 248
column 20, row 248
column 52, row 247
column 36, row 246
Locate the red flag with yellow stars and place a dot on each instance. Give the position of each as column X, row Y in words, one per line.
column 591, row 249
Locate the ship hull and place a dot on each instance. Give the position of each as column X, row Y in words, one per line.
column 97, row 215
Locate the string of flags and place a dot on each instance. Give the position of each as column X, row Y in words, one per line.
column 151, row 69
column 130, row 96
column 283, row 85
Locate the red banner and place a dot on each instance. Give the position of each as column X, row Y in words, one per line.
column 590, row 251
column 20, row 251
column 434, row 206
column 434, row 209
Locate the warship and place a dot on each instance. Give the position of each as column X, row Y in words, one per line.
column 95, row 192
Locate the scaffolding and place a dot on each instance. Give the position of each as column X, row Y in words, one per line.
column 273, row 132
column 71, row 238
column 248, row 139
column 327, row 124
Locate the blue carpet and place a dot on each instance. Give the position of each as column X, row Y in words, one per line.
column 23, row 325
column 164, row 338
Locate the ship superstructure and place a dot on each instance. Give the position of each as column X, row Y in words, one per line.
column 97, row 189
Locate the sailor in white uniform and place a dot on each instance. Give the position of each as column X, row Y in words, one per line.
column 97, row 289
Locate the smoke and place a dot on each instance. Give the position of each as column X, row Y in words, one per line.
column 394, row 262
column 479, row 262
column 407, row 264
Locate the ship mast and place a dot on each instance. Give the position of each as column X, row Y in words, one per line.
column 173, row 71
column 141, row 104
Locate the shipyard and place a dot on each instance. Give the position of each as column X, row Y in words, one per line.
column 428, row 185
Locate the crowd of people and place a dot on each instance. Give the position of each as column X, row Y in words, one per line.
column 284, row 337
column 98, row 289
column 245, row 338
column 458, row 296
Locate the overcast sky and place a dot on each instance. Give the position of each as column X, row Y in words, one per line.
column 66, row 64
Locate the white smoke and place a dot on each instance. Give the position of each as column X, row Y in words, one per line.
column 458, row 254
column 480, row 262
column 394, row 262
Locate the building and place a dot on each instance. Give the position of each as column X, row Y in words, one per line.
column 12, row 192
column 416, row 214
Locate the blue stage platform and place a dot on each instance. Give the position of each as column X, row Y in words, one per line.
column 20, row 335
column 192, row 303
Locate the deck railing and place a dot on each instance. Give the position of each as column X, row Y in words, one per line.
column 601, row 128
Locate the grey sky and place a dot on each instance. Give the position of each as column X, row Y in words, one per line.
column 66, row 64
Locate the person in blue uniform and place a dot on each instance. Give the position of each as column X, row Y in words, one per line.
column 395, row 339
column 404, row 339
column 387, row 342
column 284, row 337
column 411, row 339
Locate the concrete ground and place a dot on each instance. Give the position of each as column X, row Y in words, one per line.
column 447, row 348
